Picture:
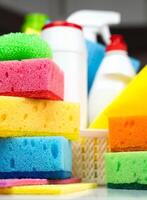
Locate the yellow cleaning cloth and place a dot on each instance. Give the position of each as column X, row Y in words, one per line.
column 48, row 189
column 33, row 117
column 131, row 102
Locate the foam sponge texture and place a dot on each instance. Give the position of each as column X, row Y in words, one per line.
column 18, row 46
column 126, row 169
column 31, row 117
column 37, row 78
column 128, row 133
column 131, row 102
column 48, row 189
column 35, row 157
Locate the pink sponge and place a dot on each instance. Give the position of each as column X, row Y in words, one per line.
column 20, row 182
column 33, row 78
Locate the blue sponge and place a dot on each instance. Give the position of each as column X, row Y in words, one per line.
column 35, row 157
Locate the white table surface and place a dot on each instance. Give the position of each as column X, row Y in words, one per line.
column 95, row 194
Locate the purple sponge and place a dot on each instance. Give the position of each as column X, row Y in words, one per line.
column 32, row 78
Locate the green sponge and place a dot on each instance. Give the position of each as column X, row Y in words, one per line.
column 127, row 170
column 18, row 46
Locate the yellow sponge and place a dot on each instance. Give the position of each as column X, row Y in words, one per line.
column 48, row 189
column 131, row 102
column 33, row 117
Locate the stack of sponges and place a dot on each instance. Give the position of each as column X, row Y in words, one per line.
column 126, row 165
column 36, row 125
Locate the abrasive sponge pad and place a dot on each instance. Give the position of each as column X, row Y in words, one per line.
column 18, row 46
column 32, row 117
column 49, row 189
column 128, row 133
column 126, row 170
column 35, row 157
column 37, row 78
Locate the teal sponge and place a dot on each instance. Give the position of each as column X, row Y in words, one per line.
column 127, row 170
column 18, row 46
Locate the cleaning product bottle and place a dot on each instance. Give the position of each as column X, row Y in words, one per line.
column 94, row 23
column 97, row 23
column 33, row 23
column 69, row 52
column 114, row 74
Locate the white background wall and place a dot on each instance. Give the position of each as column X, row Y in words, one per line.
column 133, row 11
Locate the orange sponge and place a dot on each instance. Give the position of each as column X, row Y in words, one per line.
column 128, row 133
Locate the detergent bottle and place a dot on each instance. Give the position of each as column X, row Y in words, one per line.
column 69, row 52
column 95, row 23
column 114, row 74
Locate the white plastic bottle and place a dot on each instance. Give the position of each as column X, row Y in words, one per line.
column 94, row 23
column 69, row 52
column 114, row 74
